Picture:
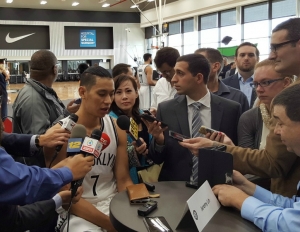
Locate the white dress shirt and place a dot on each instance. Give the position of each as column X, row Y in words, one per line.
column 205, row 111
column 162, row 91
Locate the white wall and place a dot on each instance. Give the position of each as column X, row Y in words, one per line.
column 183, row 9
column 117, row 55
column 135, row 44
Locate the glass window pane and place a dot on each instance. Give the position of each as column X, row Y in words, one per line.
column 256, row 30
column 283, row 8
column 174, row 40
column 188, row 25
column 277, row 21
column 232, row 31
column 263, row 45
column 256, row 12
column 209, row 45
column 209, row 21
column 190, row 42
column 228, row 18
column 174, row 28
column 209, row 36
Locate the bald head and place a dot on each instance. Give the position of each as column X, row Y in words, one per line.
column 42, row 64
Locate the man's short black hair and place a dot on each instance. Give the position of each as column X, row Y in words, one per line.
column 166, row 55
column 197, row 64
column 247, row 44
column 147, row 56
column 289, row 98
column 88, row 77
column 119, row 69
column 213, row 56
column 82, row 67
column 42, row 63
column 292, row 26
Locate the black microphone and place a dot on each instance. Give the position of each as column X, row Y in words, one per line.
column 91, row 145
column 68, row 124
column 131, row 128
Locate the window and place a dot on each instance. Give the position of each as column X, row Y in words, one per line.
column 283, row 8
column 228, row 18
column 208, row 21
column 255, row 12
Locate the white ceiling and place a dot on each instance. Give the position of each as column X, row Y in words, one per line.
column 87, row 5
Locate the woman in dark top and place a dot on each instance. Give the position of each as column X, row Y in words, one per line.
column 126, row 102
column 253, row 126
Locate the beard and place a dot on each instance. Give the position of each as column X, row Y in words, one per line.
column 246, row 69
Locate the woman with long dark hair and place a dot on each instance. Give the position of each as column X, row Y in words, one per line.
column 126, row 102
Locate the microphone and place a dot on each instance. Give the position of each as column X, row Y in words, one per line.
column 77, row 136
column 68, row 124
column 91, row 145
column 131, row 128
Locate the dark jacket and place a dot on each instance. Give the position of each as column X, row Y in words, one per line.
column 250, row 129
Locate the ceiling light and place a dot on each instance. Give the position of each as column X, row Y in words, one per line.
column 43, row 2
column 106, row 5
column 9, row 1
column 75, row 3
column 150, row 0
column 134, row 6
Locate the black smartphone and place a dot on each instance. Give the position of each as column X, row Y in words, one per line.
column 152, row 119
column 177, row 136
column 147, row 208
column 78, row 101
column 140, row 201
column 147, row 112
column 157, row 224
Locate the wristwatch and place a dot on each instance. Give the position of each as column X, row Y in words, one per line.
column 37, row 141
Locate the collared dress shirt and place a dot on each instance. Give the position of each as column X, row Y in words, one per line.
column 205, row 111
column 272, row 212
column 246, row 87
column 162, row 91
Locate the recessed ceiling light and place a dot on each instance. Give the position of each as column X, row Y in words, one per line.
column 43, row 2
column 150, row 0
column 134, row 6
column 9, row 1
column 106, row 5
column 75, row 3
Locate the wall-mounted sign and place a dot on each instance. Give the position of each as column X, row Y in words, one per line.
column 24, row 37
column 88, row 39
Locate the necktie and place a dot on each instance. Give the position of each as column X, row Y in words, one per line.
column 196, row 123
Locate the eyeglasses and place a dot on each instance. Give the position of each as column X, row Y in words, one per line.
column 264, row 83
column 275, row 47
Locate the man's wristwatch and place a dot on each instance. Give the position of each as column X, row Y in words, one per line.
column 37, row 141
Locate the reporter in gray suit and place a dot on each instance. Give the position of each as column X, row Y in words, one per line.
column 190, row 79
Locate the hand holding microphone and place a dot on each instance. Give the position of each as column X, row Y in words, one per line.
column 68, row 124
column 131, row 128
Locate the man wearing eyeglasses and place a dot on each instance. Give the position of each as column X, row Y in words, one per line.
column 275, row 160
column 246, row 57
column 165, row 61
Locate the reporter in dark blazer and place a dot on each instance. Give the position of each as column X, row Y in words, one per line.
column 191, row 74
column 233, row 81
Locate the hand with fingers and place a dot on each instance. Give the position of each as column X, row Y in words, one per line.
column 194, row 144
column 219, row 137
column 155, row 129
column 54, row 136
column 141, row 149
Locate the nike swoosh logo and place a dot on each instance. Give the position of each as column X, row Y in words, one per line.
column 8, row 39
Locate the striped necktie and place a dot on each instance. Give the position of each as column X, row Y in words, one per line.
column 196, row 124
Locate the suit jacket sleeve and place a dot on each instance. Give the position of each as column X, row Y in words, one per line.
column 16, row 144
column 30, row 216
column 247, row 130
column 155, row 156
column 26, row 184
column 274, row 161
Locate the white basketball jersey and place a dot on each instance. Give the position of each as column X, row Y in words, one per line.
column 100, row 183
column 142, row 75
